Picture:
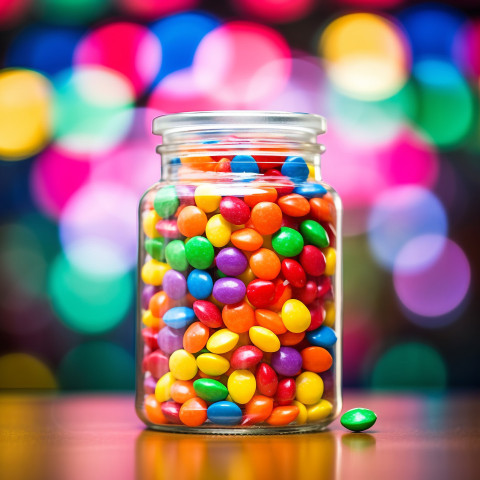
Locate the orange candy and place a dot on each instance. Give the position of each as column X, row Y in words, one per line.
column 322, row 209
column 193, row 412
column 159, row 304
column 265, row 264
column 316, row 359
column 265, row 194
column 283, row 415
column 182, row 390
column 153, row 410
column 195, row 337
column 247, row 239
column 294, row 205
column 266, row 217
column 288, row 339
column 192, row 221
column 271, row 320
column 259, row 408
column 282, row 294
column 238, row 317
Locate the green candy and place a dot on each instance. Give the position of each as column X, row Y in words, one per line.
column 358, row 419
column 155, row 247
column 220, row 274
column 166, row 201
column 287, row 242
column 210, row 390
column 314, row 234
column 199, row 252
column 175, row 255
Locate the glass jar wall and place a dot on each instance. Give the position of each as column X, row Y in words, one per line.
column 239, row 278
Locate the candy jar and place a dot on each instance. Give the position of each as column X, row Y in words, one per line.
column 239, row 278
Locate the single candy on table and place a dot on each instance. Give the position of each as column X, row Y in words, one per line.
column 358, row 419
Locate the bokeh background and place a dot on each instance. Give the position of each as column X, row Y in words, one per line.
column 80, row 83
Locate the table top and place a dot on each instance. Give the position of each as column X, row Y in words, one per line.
column 89, row 437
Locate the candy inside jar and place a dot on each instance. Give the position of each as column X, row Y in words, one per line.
column 239, row 281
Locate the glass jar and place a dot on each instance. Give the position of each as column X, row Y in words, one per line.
column 239, row 278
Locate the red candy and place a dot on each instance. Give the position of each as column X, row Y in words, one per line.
column 150, row 337
column 156, row 363
column 171, row 411
column 317, row 313
column 285, row 391
column 234, row 210
column 313, row 260
column 261, row 293
column 324, row 286
column 208, row 313
column 246, row 357
column 294, row 272
column 307, row 294
column 168, row 229
column 267, row 380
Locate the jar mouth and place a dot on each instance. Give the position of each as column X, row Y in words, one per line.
column 225, row 121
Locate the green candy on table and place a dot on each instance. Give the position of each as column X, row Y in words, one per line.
column 210, row 390
column 199, row 252
column 314, row 234
column 155, row 247
column 176, row 256
column 358, row 419
column 287, row 242
column 166, row 201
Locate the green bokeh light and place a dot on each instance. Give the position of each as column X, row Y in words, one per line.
column 410, row 366
column 97, row 366
column 72, row 12
column 86, row 302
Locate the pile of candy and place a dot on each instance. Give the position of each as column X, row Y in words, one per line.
column 238, row 304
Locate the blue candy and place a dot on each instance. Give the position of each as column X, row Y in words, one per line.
column 244, row 164
column 296, row 168
column 179, row 317
column 200, row 284
column 322, row 337
column 310, row 190
column 224, row 413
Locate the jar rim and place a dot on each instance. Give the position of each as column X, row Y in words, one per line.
column 227, row 119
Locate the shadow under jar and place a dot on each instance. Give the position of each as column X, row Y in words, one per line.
column 239, row 278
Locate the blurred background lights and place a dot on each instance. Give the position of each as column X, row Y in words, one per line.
column 97, row 366
column 179, row 36
column 236, row 63
column 445, row 102
column 72, row 12
column 25, row 113
column 92, row 110
column 151, row 9
column 11, row 11
column 441, row 285
column 366, row 56
column 278, row 11
column 467, row 48
column 399, row 215
column 128, row 48
column 410, row 366
column 19, row 370
column 33, row 48
column 88, row 302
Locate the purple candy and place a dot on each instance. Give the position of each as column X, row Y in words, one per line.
column 149, row 383
column 287, row 361
column 229, row 290
column 231, row 261
column 174, row 284
column 170, row 339
column 147, row 293
column 186, row 194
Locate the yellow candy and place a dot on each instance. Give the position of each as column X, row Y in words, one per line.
column 296, row 316
column 182, row 364
column 212, row 364
column 222, row 341
column 331, row 259
column 236, row 227
column 311, row 171
column 264, row 339
column 149, row 320
column 302, row 413
column 247, row 276
column 241, row 386
column 149, row 220
column 212, row 299
column 309, row 388
column 218, row 231
column 319, row 411
column 162, row 390
column 329, row 313
column 206, row 199
column 153, row 272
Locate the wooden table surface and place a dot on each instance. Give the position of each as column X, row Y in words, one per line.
column 85, row 437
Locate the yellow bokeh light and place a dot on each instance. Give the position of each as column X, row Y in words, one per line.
column 25, row 113
column 19, row 370
column 366, row 56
